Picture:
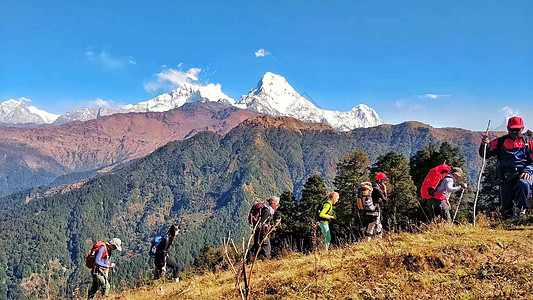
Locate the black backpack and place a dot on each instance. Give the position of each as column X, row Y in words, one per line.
column 319, row 210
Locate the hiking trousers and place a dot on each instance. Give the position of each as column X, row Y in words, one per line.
column 440, row 208
column 515, row 193
column 100, row 281
column 373, row 225
column 170, row 263
column 324, row 227
column 264, row 252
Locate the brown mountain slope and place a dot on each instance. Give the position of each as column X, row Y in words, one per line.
column 35, row 156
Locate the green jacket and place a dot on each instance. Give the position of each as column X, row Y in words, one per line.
column 327, row 212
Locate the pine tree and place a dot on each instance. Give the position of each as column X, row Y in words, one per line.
column 313, row 196
column 402, row 203
column 287, row 235
column 351, row 171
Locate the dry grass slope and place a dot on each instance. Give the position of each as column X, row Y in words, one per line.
column 449, row 262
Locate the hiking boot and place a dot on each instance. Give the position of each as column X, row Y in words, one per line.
column 177, row 279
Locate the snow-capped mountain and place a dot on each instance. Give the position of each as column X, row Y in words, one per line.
column 276, row 97
column 17, row 112
column 273, row 96
column 87, row 114
column 187, row 93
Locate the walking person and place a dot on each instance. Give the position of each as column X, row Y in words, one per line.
column 327, row 213
column 514, row 167
column 261, row 219
column 100, row 258
column 162, row 259
column 440, row 200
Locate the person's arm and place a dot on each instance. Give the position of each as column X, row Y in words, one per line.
column 529, row 167
column 324, row 212
column 450, row 187
column 492, row 148
column 381, row 195
column 100, row 260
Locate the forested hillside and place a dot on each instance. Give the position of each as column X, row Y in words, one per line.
column 206, row 183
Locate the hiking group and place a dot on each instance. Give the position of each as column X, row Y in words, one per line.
column 514, row 172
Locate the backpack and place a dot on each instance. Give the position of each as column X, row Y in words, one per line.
column 432, row 181
column 255, row 213
column 364, row 197
column 155, row 243
column 501, row 140
column 319, row 210
column 91, row 257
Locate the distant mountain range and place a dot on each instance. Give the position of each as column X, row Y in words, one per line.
column 31, row 157
column 272, row 96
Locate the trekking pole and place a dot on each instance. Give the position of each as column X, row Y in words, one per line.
column 458, row 204
column 423, row 210
column 481, row 172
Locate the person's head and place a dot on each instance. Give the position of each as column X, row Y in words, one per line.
column 515, row 126
column 273, row 202
column 173, row 230
column 334, row 197
column 115, row 244
column 457, row 173
column 381, row 177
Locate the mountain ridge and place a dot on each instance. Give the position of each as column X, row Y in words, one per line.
column 273, row 96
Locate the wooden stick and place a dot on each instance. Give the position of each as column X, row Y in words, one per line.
column 481, row 172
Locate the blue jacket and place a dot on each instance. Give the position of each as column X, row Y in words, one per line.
column 513, row 154
column 102, row 259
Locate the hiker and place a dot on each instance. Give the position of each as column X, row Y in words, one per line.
column 102, row 265
column 162, row 259
column 440, row 199
column 373, row 211
column 261, row 219
column 327, row 213
column 514, row 167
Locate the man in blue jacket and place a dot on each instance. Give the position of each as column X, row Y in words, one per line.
column 514, row 167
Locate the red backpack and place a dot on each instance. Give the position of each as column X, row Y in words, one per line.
column 432, row 180
column 89, row 261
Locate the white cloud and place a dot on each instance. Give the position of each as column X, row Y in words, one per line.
column 261, row 53
column 432, row 96
column 510, row 112
column 102, row 103
column 24, row 99
column 108, row 60
column 171, row 78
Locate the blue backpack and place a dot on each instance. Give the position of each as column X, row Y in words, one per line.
column 155, row 242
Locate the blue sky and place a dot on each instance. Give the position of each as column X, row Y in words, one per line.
column 447, row 63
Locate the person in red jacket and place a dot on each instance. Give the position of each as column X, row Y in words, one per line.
column 514, row 167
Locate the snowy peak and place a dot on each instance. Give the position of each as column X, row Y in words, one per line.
column 187, row 93
column 276, row 97
column 17, row 112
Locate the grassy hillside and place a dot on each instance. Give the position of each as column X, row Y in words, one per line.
column 446, row 262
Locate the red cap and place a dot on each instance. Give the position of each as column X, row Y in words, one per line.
column 515, row 122
column 380, row 176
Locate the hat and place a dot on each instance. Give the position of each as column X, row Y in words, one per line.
column 380, row 176
column 457, row 171
column 515, row 122
column 117, row 243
